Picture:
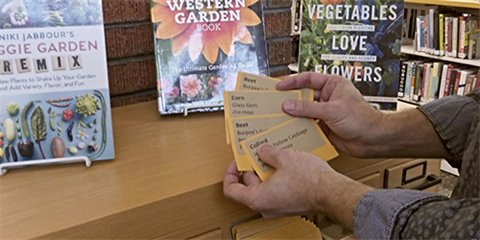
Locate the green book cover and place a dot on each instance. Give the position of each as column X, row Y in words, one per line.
column 357, row 39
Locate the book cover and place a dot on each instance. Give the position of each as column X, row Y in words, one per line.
column 200, row 46
column 441, row 40
column 357, row 39
column 54, row 95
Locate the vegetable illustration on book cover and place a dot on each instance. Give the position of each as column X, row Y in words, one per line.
column 200, row 45
column 54, row 97
column 357, row 39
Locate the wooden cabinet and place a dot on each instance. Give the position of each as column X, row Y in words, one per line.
column 165, row 183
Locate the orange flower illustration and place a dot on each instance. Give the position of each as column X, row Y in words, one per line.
column 219, row 35
column 330, row 2
column 356, row 64
column 190, row 85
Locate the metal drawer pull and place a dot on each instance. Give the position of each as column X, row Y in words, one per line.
column 432, row 180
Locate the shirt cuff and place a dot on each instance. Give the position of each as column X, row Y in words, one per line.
column 452, row 117
column 376, row 213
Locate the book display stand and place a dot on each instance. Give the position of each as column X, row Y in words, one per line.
column 4, row 167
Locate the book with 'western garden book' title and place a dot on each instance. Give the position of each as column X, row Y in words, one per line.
column 54, row 97
column 200, row 46
column 357, row 39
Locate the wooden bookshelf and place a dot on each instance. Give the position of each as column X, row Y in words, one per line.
column 408, row 49
column 473, row 4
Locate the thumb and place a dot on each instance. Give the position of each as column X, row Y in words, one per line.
column 317, row 110
column 269, row 155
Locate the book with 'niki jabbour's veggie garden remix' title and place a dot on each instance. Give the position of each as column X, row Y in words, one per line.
column 200, row 46
column 54, row 97
column 357, row 39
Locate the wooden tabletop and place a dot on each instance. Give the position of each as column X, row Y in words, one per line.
column 156, row 158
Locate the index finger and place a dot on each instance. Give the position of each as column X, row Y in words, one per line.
column 232, row 188
column 306, row 80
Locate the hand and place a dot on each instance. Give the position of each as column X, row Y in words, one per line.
column 349, row 122
column 303, row 183
column 17, row 12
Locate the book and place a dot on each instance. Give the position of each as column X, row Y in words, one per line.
column 477, row 83
column 463, row 80
column 436, row 76
column 456, row 85
column 431, row 31
column 364, row 50
column 454, row 52
column 200, row 48
column 441, row 39
column 453, row 82
column 417, row 89
column 469, row 84
column 462, row 29
column 426, row 81
column 54, row 91
column 473, row 46
column 408, row 81
column 414, row 79
column 435, row 33
column 448, row 80
column 403, row 76
column 443, row 81
column 448, row 36
column 423, row 35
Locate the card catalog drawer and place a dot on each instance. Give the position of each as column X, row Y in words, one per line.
column 372, row 180
column 409, row 174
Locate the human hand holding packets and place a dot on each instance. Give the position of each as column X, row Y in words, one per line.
column 267, row 123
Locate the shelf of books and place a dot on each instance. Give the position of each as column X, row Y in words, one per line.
column 474, row 4
column 410, row 50
column 441, row 50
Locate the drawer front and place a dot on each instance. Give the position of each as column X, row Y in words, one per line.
column 372, row 180
column 412, row 174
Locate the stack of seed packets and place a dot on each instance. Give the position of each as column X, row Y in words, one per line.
column 254, row 116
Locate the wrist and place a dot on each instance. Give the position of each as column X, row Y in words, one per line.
column 338, row 197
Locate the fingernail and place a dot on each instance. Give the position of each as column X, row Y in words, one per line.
column 264, row 148
column 289, row 105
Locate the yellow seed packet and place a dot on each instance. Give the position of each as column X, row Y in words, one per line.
column 252, row 82
column 300, row 134
column 251, row 103
column 245, row 127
